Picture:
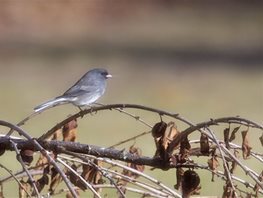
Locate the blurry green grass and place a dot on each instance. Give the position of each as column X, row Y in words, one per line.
column 197, row 94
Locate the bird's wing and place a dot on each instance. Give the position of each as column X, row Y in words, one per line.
column 75, row 92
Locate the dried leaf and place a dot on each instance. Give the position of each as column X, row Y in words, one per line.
column 190, row 183
column 233, row 133
column 55, row 180
column 246, row 148
column 159, row 129
column 170, row 133
column 69, row 195
column 213, row 165
column 25, row 186
column 261, row 139
column 228, row 191
column 27, row 156
column 138, row 152
column 69, row 131
column 41, row 162
column 184, row 150
column 226, row 137
column 57, row 135
column 204, row 144
column 234, row 163
column 40, row 184
column 72, row 177
column 91, row 174
column 179, row 177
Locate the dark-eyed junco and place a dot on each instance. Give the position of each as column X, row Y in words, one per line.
column 84, row 92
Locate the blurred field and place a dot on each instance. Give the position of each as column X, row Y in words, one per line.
column 198, row 61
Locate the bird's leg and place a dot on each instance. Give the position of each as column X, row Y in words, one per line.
column 80, row 111
column 91, row 110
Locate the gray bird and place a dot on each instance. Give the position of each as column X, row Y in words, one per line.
column 87, row 90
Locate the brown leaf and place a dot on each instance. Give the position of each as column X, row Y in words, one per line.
column 159, row 129
column 40, row 184
column 233, row 133
column 57, row 135
column 69, row 131
column 190, row 183
column 179, row 177
column 55, row 180
column 213, row 165
column 41, row 162
column 170, row 133
column 69, row 195
column 246, row 148
column 27, row 156
column 226, row 137
column 135, row 151
column 91, row 173
column 234, row 163
column 72, row 177
column 184, row 150
column 204, row 144
column 26, row 186
column 228, row 191
column 261, row 139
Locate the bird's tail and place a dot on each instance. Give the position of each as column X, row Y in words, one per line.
column 51, row 103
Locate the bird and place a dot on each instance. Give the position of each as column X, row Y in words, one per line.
column 87, row 90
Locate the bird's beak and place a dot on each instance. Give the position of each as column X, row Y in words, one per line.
column 108, row 76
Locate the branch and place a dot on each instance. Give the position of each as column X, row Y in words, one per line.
column 109, row 107
column 36, row 145
column 59, row 146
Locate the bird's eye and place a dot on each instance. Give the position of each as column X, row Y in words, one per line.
column 104, row 73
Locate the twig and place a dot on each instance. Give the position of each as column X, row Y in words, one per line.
column 21, row 173
column 124, row 177
column 19, row 158
column 130, row 139
column 206, row 124
column 108, row 107
column 13, row 176
column 83, row 180
column 95, row 166
column 22, row 122
column 138, row 173
column 247, row 170
column 228, row 174
column 138, row 118
column 43, row 151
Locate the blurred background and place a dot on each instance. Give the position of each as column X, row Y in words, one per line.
column 200, row 59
